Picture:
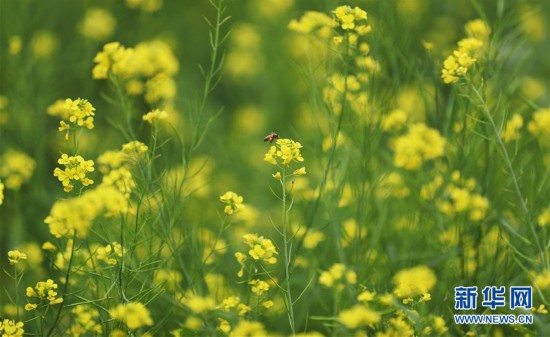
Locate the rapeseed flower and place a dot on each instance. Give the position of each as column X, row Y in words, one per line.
column 284, row 152
column 45, row 292
column 11, row 328
column 261, row 248
column 233, row 201
column 358, row 316
column 14, row 256
column 337, row 274
column 15, row 169
column 76, row 169
column 1, row 193
column 414, row 281
column 134, row 314
column 98, row 24
column 155, row 116
column 420, row 144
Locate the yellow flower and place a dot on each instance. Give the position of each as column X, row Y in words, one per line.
column 230, row 302
column 45, row 292
column 414, row 281
column 336, row 275
column 110, row 253
column 76, row 169
column 16, row 168
column 277, row 176
column 97, row 24
column 511, row 131
column 420, row 144
column 540, row 125
column 285, row 152
column 233, row 201
column 14, row 256
column 134, row 314
column 366, row 296
column 258, row 287
column 248, row 329
column 261, row 248
column 11, row 328
column 300, row 171
column 358, row 316
column 155, row 116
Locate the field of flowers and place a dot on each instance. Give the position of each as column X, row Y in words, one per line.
column 405, row 160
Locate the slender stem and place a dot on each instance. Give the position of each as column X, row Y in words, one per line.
column 511, row 171
column 287, row 255
column 62, row 304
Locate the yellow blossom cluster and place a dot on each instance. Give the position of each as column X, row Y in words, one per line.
column 456, row 65
column 258, row 287
column 540, row 125
column 421, row 143
column 544, row 217
column 457, row 197
column 97, row 24
column 14, row 256
column 199, row 304
column 170, row 278
column 313, row 22
column 337, row 275
column 76, row 169
column 511, row 130
column 414, row 281
column 145, row 5
column 155, row 116
column 16, row 168
column 148, row 68
column 134, row 314
column 261, row 249
column 1, row 193
column 233, row 201
column 79, row 112
column 248, row 328
column 85, row 321
column 350, row 19
column 284, row 152
column 110, row 253
column 358, row 316
column 45, row 292
column 77, row 214
column 11, row 328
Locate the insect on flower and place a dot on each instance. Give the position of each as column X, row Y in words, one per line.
column 271, row 137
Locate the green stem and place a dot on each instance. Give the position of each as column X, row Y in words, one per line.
column 511, row 171
column 62, row 304
column 287, row 256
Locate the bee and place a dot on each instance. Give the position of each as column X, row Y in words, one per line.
column 271, row 137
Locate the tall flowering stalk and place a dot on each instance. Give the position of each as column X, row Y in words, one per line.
column 283, row 154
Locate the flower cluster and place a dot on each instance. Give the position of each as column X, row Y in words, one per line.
column 11, row 328
column 358, row 316
column 337, row 275
column 349, row 19
column 456, row 65
column 76, row 169
column 540, row 125
column 79, row 112
column 45, row 292
column 420, row 144
column 85, row 321
column 155, row 116
column 14, row 256
column 457, row 197
column 134, row 314
column 233, row 201
column 110, row 253
column 414, row 281
column 261, row 249
column 148, row 68
column 98, row 24
column 78, row 213
column 16, row 168
column 284, row 152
